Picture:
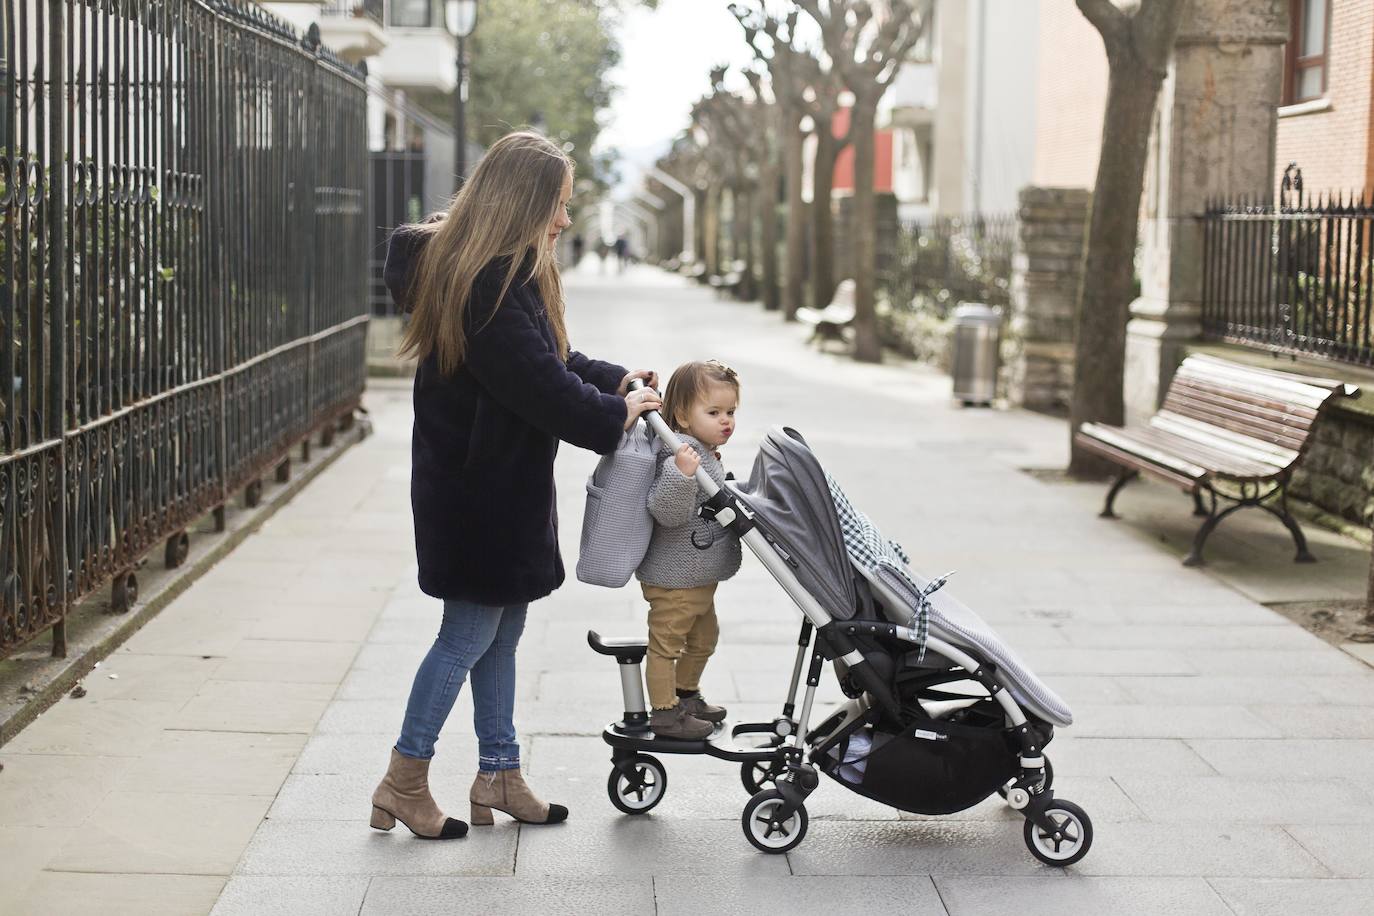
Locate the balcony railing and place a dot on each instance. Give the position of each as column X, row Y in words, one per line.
column 374, row 10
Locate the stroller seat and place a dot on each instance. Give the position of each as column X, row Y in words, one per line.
column 956, row 623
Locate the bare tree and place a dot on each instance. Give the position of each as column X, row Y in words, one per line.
column 784, row 59
column 867, row 43
column 1139, row 41
column 727, row 119
column 766, row 195
column 1369, row 595
column 823, row 103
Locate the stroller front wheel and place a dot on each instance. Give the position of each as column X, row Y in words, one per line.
column 766, row 830
column 638, row 784
column 1070, row 839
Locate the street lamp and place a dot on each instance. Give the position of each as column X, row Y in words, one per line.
column 461, row 18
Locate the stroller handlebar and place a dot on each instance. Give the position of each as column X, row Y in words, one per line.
column 670, row 439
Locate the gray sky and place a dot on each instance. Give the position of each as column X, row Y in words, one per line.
column 666, row 60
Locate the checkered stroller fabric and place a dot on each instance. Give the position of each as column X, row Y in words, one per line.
column 869, row 549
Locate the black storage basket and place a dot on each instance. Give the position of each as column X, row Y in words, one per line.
column 939, row 767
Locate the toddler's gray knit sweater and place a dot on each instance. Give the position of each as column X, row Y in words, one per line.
column 673, row 560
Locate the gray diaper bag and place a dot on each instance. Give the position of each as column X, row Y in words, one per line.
column 616, row 526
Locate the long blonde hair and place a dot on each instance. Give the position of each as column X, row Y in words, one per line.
column 504, row 211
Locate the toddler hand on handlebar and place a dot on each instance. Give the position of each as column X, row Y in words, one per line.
column 687, row 460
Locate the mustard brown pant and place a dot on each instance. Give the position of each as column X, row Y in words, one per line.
column 682, row 635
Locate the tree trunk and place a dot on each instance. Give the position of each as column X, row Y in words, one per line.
column 699, row 224
column 1109, row 263
column 867, row 345
column 1369, row 596
column 822, row 221
column 712, row 242
column 796, row 219
column 745, row 220
column 766, row 199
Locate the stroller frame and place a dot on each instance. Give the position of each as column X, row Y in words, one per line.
column 775, row 818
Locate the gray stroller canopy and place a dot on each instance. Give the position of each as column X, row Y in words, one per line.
column 788, row 493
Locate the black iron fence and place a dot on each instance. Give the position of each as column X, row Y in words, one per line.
column 182, row 278
column 1295, row 278
column 939, row 263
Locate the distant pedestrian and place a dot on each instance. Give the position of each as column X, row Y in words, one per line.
column 602, row 251
column 496, row 389
column 622, row 252
column 579, row 245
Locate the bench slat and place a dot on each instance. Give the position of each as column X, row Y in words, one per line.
column 1295, row 416
column 1255, row 428
column 1214, row 458
column 1205, row 385
column 1255, row 381
column 1329, row 385
column 1127, row 441
column 1129, row 459
column 1232, row 450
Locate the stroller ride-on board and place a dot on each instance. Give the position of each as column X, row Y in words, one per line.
column 941, row 714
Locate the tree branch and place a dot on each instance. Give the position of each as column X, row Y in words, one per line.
column 1107, row 18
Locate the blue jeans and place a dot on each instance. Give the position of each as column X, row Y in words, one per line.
column 481, row 640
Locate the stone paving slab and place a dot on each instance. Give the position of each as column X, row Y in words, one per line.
column 1345, row 849
column 293, row 896
column 318, row 848
column 1055, row 896
column 1251, row 897
column 497, row 896
column 64, row 893
column 797, row 896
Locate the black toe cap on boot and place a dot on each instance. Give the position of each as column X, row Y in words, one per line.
column 453, row 830
column 557, row 814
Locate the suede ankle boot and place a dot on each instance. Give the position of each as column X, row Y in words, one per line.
column 403, row 795
column 506, row 791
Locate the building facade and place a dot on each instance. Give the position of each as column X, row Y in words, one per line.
column 963, row 113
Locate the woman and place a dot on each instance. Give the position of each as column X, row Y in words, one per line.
column 496, row 389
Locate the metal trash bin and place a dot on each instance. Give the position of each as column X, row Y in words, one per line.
column 977, row 337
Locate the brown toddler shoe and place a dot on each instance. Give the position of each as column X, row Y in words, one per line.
column 695, row 704
column 676, row 723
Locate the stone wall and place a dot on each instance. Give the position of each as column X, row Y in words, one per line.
column 1037, row 348
column 1337, row 474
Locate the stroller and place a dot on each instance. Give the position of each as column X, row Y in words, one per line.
column 940, row 715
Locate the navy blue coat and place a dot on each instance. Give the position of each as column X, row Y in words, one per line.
column 485, row 437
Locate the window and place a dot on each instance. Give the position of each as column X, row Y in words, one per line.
column 1305, row 57
column 414, row 14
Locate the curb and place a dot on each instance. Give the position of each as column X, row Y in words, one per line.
column 57, row 676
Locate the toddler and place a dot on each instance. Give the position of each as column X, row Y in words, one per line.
column 688, row 555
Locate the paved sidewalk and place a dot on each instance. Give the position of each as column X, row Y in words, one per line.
column 1225, row 755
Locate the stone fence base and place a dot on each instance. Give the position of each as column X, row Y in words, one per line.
column 1037, row 353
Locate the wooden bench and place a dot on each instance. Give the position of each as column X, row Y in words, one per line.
column 834, row 321
column 1226, row 431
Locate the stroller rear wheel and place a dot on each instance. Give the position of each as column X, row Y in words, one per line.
column 638, row 784
column 757, row 775
column 1048, row 783
column 766, row 830
column 1070, row 839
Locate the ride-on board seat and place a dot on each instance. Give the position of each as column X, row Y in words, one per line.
column 627, row 650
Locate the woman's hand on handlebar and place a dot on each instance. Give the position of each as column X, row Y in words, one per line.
column 650, row 380
column 637, row 402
